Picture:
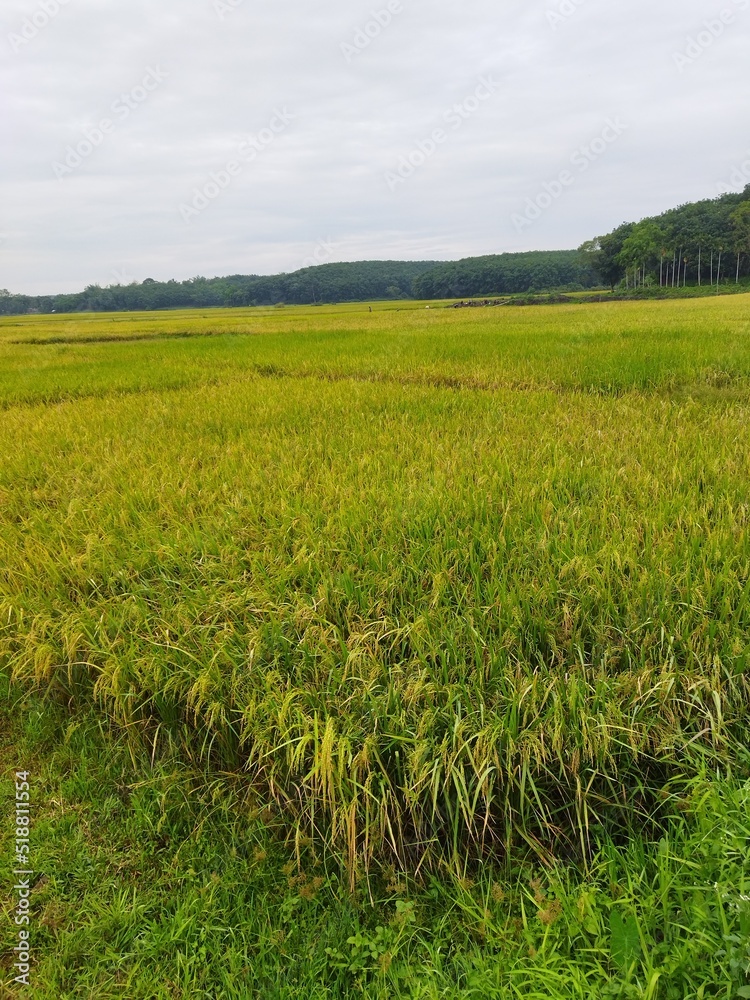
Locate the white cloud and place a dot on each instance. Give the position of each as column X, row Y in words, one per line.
column 321, row 180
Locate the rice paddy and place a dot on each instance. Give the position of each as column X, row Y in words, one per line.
column 436, row 589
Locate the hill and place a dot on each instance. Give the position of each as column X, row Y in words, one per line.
column 360, row 281
column 507, row 274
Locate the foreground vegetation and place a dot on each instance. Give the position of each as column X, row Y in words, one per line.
column 158, row 882
column 455, row 603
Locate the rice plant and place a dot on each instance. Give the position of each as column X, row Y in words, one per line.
column 438, row 588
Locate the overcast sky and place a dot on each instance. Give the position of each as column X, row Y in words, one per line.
column 171, row 138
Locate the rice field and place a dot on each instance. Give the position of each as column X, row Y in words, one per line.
column 437, row 586
column 699, row 345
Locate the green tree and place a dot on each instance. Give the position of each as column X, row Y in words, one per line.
column 740, row 220
column 603, row 254
column 641, row 249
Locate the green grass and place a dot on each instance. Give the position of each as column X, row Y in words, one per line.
column 433, row 595
column 156, row 883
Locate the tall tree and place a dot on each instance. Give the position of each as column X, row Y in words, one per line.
column 740, row 220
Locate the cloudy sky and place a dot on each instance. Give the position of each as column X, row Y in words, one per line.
column 171, row 138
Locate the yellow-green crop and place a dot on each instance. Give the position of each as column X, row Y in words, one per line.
column 435, row 581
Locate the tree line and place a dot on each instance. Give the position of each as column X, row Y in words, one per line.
column 328, row 283
column 507, row 274
column 704, row 243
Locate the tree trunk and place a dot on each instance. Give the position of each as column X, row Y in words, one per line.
column 699, row 267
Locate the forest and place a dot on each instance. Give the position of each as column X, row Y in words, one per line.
column 361, row 281
column 327, row 283
column 701, row 243
column 507, row 274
